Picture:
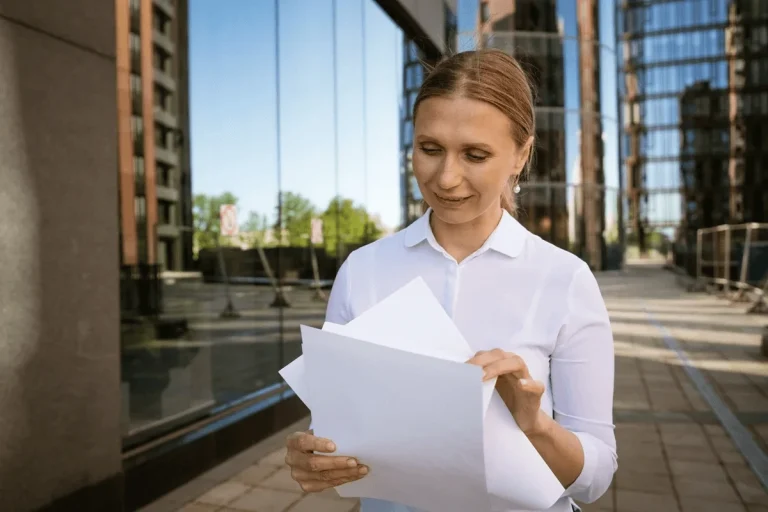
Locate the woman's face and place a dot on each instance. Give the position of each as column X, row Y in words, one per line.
column 463, row 156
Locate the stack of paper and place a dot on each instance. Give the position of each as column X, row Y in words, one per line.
column 392, row 388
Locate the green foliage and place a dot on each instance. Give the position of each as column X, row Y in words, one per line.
column 354, row 225
column 296, row 219
column 205, row 212
column 254, row 230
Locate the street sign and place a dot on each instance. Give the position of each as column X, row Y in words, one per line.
column 316, row 237
column 228, row 219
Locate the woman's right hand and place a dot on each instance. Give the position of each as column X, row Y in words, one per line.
column 315, row 472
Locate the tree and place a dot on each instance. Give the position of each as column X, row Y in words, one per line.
column 254, row 230
column 205, row 212
column 297, row 213
column 354, row 225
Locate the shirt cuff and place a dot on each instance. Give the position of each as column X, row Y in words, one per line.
column 582, row 484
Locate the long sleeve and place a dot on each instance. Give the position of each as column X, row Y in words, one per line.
column 338, row 311
column 582, row 379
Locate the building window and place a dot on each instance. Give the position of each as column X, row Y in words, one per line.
column 161, row 22
column 135, row 44
column 161, row 60
column 163, row 99
column 138, row 166
column 140, row 203
column 135, row 9
column 164, row 175
column 485, row 12
column 165, row 212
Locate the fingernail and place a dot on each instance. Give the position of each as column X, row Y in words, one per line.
column 330, row 447
column 352, row 463
column 523, row 382
column 363, row 470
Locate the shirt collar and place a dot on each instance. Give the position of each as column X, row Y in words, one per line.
column 508, row 238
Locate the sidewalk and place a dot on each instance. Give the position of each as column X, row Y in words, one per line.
column 674, row 453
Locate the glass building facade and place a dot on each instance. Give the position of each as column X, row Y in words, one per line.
column 694, row 95
column 261, row 143
column 572, row 195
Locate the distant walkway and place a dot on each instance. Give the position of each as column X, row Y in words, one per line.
column 674, row 453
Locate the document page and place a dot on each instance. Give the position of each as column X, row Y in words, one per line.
column 416, row 421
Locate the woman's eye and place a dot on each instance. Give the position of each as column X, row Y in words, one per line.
column 430, row 151
column 472, row 157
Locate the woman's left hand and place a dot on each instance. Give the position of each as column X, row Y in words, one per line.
column 521, row 394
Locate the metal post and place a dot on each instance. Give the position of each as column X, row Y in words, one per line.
column 699, row 256
column 229, row 309
column 319, row 294
column 727, row 258
column 741, row 293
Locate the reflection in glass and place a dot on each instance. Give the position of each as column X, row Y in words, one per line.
column 249, row 169
column 689, row 72
column 572, row 197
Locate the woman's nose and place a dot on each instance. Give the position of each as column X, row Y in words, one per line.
column 450, row 173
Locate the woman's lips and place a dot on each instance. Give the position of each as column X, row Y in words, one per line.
column 452, row 201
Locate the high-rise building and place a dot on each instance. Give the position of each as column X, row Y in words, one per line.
column 561, row 47
column 154, row 162
column 529, row 30
column 694, row 91
column 417, row 54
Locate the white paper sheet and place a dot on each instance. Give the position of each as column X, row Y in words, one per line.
column 417, row 421
column 517, row 476
column 294, row 375
column 413, row 320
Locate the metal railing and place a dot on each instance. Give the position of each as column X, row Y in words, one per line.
column 733, row 260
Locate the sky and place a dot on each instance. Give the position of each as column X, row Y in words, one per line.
column 235, row 54
column 233, row 83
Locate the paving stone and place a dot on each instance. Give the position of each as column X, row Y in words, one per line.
column 751, row 491
column 265, row 500
column 224, row 493
column 330, row 494
column 715, row 491
column 256, row 474
column 316, row 503
column 715, row 431
column 631, row 480
column 757, row 508
column 633, row 433
column 691, row 453
column 705, row 472
column 276, row 458
column 629, row 449
column 281, row 480
column 640, row 464
column 635, row 501
column 702, row 505
column 199, row 507
column 690, row 439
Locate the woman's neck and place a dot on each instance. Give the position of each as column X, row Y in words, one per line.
column 461, row 240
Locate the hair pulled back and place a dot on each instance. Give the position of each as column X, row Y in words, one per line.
column 495, row 78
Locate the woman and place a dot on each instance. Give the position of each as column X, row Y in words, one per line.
column 510, row 293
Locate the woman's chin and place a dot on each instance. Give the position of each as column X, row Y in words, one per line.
column 454, row 215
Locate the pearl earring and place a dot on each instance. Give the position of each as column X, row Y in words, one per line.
column 516, row 189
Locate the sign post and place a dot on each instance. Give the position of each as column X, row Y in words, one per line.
column 316, row 237
column 228, row 227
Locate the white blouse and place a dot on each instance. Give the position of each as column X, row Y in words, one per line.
column 523, row 295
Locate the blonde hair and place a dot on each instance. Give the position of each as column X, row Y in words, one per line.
column 495, row 78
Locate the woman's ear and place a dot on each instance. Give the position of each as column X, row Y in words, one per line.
column 524, row 156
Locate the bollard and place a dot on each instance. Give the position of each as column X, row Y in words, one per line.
column 764, row 343
column 280, row 301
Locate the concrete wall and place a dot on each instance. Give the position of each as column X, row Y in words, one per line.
column 59, row 313
column 430, row 15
